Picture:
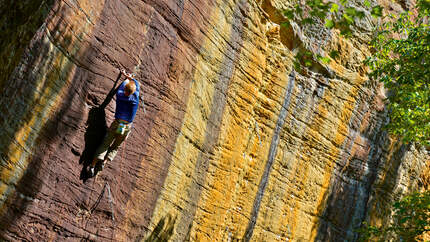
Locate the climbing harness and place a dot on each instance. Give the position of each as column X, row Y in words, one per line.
column 121, row 128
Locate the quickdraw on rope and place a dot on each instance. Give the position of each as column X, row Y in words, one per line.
column 111, row 202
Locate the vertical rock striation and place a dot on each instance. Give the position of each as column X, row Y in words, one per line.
column 234, row 144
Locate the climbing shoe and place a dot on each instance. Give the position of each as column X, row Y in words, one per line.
column 99, row 167
column 92, row 171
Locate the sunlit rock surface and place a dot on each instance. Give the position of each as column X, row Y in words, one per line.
column 234, row 143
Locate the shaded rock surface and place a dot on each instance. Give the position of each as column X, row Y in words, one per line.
column 234, row 143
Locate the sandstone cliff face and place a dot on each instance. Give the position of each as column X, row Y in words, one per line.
column 234, row 143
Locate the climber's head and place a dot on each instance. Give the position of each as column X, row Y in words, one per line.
column 129, row 88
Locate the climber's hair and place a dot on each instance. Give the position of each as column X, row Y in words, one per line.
column 129, row 88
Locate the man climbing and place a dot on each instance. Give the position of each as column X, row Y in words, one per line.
column 127, row 102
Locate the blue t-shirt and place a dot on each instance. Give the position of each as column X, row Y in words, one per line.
column 126, row 107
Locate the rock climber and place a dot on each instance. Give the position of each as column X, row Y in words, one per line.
column 127, row 102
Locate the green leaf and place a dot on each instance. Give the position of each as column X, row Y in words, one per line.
column 343, row 2
column 333, row 54
column 298, row 9
column 329, row 23
column 360, row 14
column 307, row 21
column 350, row 11
column 334, row 8
column 285, row 24
column 376, row 11
column 297, row 66
column 346, row 32
column 325, row 60
column 289, row 14
column 367, row 3
column 348, row 19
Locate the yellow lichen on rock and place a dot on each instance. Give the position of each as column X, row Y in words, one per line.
column 191, row 142
column 244, row 145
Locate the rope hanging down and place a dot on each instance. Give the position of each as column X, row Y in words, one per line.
column 111, row 202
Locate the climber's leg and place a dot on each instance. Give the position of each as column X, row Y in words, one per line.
column 102, row 150
column 113, row 150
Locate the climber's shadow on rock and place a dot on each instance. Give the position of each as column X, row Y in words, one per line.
column 95, row 132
